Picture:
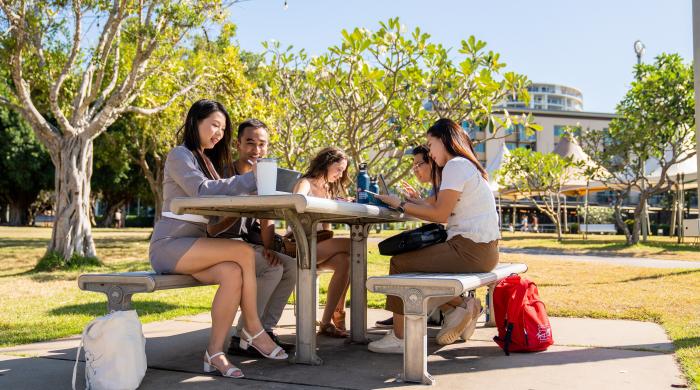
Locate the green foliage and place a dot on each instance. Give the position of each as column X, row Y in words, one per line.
column 54, row 261
column 25, row 165
column 655, row 121
column 538, row 177
column 597, row 214
column 376, row 92
column 116, row 177
column 573, row 228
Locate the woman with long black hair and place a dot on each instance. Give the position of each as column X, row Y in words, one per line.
column 465, row 203
column 179, row 244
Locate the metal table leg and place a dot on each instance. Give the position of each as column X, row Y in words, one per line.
column 358, row 278
column 305, row 233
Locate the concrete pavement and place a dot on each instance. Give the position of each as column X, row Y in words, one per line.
column 603, row 354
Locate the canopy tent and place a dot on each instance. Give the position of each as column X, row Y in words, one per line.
column 491, row 168
column 495, row 164
column 688, row 168
column 577, row 183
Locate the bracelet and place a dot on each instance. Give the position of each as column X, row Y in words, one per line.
column 400, row 208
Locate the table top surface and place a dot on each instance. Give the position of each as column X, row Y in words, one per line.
column 271, row 206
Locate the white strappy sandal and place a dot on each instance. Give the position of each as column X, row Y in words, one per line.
column 232, row 372
column 275, row 354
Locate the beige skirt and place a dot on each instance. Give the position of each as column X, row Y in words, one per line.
column 457, row 255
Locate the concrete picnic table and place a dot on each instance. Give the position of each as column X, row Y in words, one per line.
column 303, row 214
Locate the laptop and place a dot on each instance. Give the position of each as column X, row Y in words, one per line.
column 383, row 189
column 286, row 179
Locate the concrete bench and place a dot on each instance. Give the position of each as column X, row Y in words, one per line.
column 415, row 289
column 119, row 287
column 599, row 228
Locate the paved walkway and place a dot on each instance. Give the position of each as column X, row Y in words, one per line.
column 614, row 260
column 588, row 354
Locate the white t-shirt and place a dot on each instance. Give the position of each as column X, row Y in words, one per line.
column 474, row 216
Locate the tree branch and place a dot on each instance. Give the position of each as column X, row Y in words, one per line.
column 155, row 110
column 56, row 88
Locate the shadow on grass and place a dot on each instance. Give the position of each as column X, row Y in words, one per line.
column 687, row 342
column 592, row 246
column 100, row 308
column 24, row 242
column 651, row 277
column 70, row 274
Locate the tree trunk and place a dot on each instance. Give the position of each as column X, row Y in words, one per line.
column 158, row 200
column 638, row 215
column 72, row 233
column 617, row 206
column 112, row 208
column 19, row 213
column 674, row 214
column 3, row 213
column 154, row 177
column 93, row 209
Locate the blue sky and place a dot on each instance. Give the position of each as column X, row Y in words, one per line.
column 583, row 44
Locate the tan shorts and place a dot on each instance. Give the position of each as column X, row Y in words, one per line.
column 458, row 255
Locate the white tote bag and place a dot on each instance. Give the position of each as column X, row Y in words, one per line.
column 115, row 352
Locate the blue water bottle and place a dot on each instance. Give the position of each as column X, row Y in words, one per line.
column 374, row 187
column 362, row 184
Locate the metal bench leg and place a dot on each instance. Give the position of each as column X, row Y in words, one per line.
column 415, row 356
column 118, row 299
column 415, row 307
column 490, row 314
column 118, row 296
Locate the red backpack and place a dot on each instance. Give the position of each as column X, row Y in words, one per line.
column 523, row 325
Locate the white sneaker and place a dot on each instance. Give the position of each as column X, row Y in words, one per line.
column 387, row 344
column 474, row 305
column 453, row 325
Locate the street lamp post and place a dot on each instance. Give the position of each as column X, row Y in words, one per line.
column 696, row 76
column 639, row 51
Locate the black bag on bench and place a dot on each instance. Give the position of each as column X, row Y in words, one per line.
column 430, row 234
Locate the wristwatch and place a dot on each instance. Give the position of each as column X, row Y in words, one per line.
column 400, row 208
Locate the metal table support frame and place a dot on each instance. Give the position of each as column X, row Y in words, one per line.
column 304, row 229
column 358, row 277
column 303, row 214
column 304, row 226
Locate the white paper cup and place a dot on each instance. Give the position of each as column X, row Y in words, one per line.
column 266, row 178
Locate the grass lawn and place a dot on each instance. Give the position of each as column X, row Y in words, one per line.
column 658, row 247
column 42, row 306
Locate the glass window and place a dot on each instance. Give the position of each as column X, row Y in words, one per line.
column 523, row 136
column 480, row 147
column 559, row 130
column 510, row 145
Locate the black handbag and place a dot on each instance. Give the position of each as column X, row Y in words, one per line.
column 426, row 235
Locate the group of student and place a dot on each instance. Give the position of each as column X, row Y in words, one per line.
column 243, row 255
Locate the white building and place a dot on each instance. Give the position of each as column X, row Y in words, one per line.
column 553, row 125
column 551, row 97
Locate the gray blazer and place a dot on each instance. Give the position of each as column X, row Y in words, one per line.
column 183, row 177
